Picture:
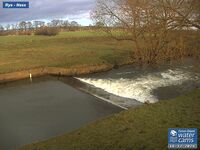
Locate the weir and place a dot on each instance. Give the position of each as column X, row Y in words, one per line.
column 133, row 84
column 49, row 106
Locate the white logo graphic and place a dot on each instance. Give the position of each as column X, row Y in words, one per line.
column 173, row 133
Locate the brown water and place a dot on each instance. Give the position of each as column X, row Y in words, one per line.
column 45, row 108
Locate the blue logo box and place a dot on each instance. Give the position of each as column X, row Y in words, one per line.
column 15, row 4
column 182, row 138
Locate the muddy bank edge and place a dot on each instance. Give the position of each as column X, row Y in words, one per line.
column 37, row 72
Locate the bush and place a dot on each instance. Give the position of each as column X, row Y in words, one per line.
column 25, row 32
column 48, row 31
column 6, row 33
column 2, row 33
column 15, row 32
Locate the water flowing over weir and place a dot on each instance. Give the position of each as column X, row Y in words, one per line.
column 135, row 84
column 140, row 88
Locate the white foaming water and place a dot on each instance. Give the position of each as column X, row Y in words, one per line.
column 140, row 88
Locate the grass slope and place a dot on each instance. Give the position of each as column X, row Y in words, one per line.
column 144, row 128
column 68, row 49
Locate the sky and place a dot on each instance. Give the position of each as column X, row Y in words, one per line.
column 45, row 10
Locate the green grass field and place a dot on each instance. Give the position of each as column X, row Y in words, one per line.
column 143, row 128
column 67, row 49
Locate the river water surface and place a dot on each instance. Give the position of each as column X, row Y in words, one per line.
column 45, row 108
column 51, row 106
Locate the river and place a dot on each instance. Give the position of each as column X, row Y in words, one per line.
column 44, row 108
column 133, row 85
column 51, row 106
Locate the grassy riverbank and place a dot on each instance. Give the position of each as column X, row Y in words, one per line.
column 68, row 49
column 142, row 128
column 77, row 50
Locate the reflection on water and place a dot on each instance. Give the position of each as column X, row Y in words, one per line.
column 131, row 85
column 44, row 108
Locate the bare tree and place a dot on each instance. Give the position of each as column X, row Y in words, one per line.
column 29, row 25
column 38, row 24
column 74, row 24
column 148, row 23
column 57, row 23
column 7, row 27
column 13, row 26
column 99, row 24
column 66, row 24
column 1, row 28
column 185, row 13
column 22, row 25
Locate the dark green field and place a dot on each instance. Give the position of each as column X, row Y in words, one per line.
column 144, row 128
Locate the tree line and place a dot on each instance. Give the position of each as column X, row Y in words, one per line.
column 26, row 25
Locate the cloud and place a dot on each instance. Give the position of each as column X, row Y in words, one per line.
column 48, row 9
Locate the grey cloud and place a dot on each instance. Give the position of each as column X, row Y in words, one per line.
column 46, row 9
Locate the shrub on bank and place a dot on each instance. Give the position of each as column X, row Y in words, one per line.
column 47, row 31
column 15, row 32
column 28, row 32
column 6, row 33
column 2, row 33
